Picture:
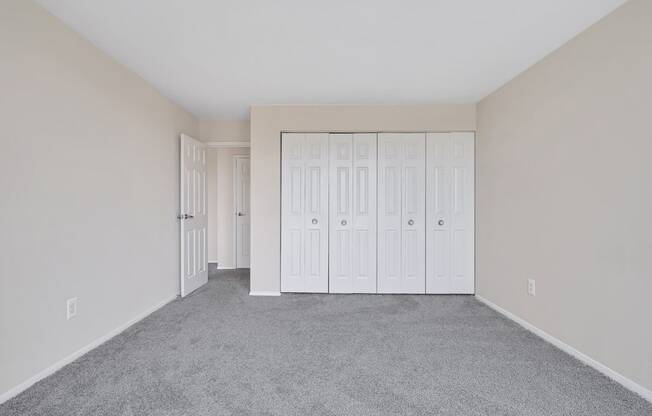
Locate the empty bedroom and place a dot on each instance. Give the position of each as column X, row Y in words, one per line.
column 248, row 207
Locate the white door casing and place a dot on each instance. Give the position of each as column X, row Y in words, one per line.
column 304, row 212
column 242, row 214
column 450, row 213
column 401, row 213
column 352, row 233
column 193, row 216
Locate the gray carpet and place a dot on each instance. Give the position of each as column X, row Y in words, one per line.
column 222, row 352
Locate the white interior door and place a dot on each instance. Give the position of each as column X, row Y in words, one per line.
column 450, row 213
column 242, row 216
column 414, row 213
column 193, row 217
column 352, row 239
column 304, row 212
column 401, row 213
column 292, row 215
column 340, row 184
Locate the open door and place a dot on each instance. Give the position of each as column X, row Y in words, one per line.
column 193, row 216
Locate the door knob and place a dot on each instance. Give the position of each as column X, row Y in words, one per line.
column 240, row 214
column 343, row 222
column 314, row 221
column 440, row 222
column 411, row 222
column 185, row 216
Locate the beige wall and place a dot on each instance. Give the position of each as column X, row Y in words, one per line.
column 224, row 130
column 89, row 192
column 267, row 122
column 564, row 194
column 212, row 200
column 220, row 205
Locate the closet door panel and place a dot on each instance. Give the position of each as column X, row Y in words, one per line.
column 438, row 204
column 462, row 213
column 450, row 216
column 413, row 213
column 340, row 212
column 389, row 213
column 316, row 213
column 352, row 254
column 304, row 212
column 364, row 213
column 292, row 209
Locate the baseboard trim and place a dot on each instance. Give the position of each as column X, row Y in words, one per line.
column 614, row 375
column 14, row 391
column 225, row 267
column 264, row 293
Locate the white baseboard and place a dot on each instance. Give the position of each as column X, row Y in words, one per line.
column 617, row 377
column 219, row 267
column 14, row 391
column 264, row 293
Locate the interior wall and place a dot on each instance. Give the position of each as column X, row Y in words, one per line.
column 211, row 200
column 267, row 123
column 89, row 178
column 221, row 214
column 563, row 193
column 224, row 130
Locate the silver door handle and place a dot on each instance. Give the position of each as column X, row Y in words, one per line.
column 314, row 221
column 440, row 222
column 411, row 222
column 343, row 222
column 240, row 214
column 185, row 216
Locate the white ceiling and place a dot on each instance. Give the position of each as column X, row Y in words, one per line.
column 218, row 57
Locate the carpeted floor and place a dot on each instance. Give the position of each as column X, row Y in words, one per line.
column 222, row 352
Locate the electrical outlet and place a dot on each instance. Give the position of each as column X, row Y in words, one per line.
column 531, row 287
column 71, row 308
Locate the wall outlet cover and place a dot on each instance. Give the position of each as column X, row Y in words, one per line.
column 531, row 287
column 71, row 308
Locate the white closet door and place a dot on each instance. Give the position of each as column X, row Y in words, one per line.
column 316, row 213
column 304, row 229
column 341, row 215
column 414, row 213
column 450, row 213
column 389, row 213
column 401, row 213
column 364, row 212
column 352, row 213
column 292, row 202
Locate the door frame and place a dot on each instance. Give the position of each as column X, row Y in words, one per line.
column 235, row 199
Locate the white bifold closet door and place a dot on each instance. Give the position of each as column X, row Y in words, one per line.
column 304, row 231
column 450, row 213
column 352, row 238
column 401, row 212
